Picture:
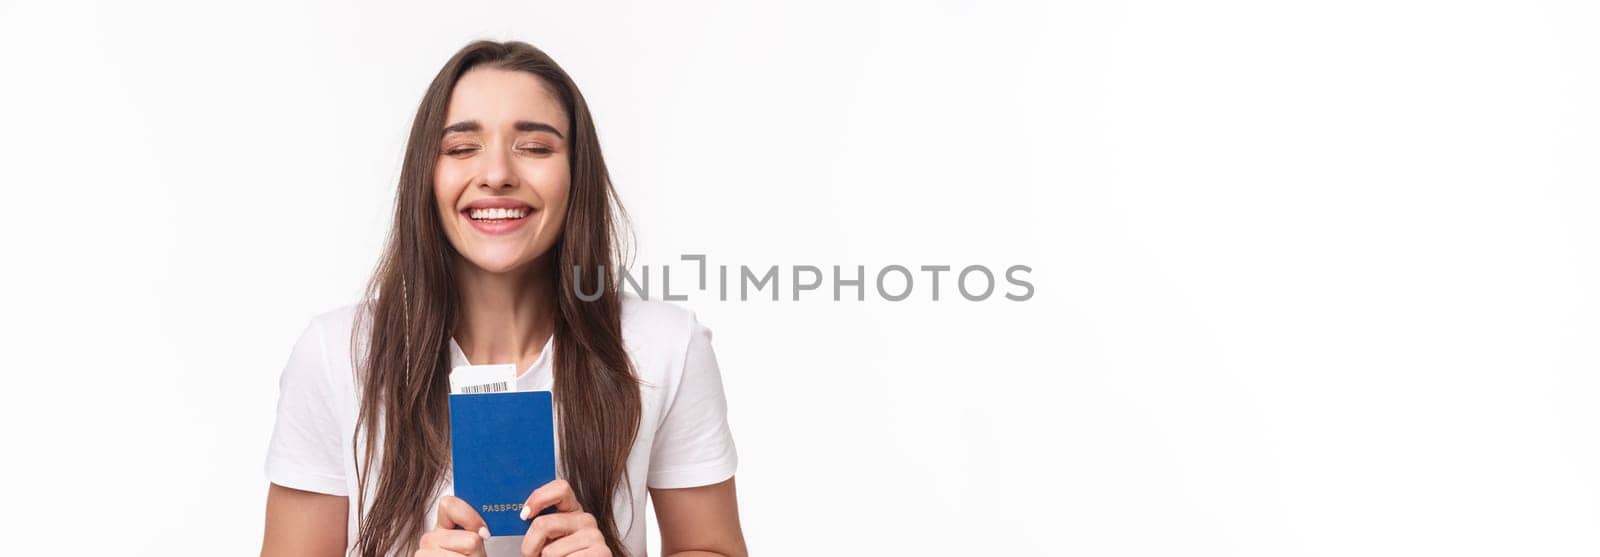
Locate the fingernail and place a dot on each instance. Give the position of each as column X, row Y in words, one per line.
column 526, row 512
column 484, row 532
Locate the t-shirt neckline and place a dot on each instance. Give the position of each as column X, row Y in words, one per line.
column 458, row 357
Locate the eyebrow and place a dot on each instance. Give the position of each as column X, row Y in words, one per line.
column 526, row 126
column 520, row 125
column 467, row 126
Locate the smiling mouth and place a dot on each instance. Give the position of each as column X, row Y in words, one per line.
column 497, row 214
column 497, row 217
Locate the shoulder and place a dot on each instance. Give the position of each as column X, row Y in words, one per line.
column 659, row 335
column 338, row 325
column 326, row 345
column 654, row 317
column 340, row 321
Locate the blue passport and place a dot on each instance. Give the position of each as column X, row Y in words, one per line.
column 502, row 447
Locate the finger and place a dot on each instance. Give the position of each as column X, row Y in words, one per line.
column 435, row 553
column 593, row 551
column 558, row 493
column 455, row 513
column 573, row 543
column 459, row 541
column 550, row 527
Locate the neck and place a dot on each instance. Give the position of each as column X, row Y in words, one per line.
column 505, row 317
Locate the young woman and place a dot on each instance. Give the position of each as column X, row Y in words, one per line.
column 503, row 228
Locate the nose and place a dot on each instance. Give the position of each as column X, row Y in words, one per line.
column 497, row 172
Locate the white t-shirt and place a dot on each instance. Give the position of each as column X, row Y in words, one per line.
column 683, row 438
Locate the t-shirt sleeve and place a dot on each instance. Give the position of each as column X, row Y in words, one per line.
column 693, row 446
column 305, row 451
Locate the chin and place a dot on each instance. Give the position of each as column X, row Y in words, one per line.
column 498, row 263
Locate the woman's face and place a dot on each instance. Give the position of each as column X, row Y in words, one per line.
column 502, row 178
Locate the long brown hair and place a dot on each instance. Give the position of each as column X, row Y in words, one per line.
column 412, row 311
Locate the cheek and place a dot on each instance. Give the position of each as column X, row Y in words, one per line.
column 448, row 176
column 556, row 192
column 446, row 187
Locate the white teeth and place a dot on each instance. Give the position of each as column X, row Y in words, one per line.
column 497, row 213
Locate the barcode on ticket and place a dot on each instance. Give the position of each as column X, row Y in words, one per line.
column 485, row 388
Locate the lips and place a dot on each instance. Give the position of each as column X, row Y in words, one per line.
column 497, row 215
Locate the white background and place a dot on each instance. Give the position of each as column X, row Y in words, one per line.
column 1313, row 278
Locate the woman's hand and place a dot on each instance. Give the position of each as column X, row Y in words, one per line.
column 446, row 540
column 568, row 532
